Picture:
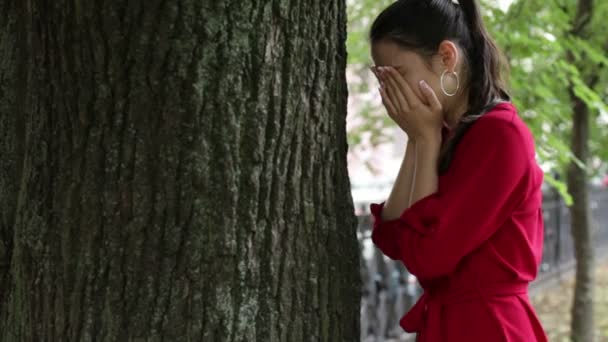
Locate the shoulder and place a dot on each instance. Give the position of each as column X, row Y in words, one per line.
column 502, row 128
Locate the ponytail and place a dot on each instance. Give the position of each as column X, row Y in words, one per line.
column 485, row 60
column 486, row 87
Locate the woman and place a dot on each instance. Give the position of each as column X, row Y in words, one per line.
column 464, row 214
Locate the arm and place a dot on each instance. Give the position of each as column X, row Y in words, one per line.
column 423, row 123
column 400, row 196
column 427, row 158
column 487, row 180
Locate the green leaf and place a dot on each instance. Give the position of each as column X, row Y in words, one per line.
column 561, row 188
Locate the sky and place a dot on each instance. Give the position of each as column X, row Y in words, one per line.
column 504, row 4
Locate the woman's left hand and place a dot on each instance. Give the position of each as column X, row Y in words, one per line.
column 422, row 119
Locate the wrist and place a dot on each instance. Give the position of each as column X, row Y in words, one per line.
column 428, row 150
column 429, row 141
column 430, row 136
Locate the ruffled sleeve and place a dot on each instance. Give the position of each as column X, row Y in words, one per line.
column 487, row 180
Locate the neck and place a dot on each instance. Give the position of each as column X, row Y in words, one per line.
column 454, row 114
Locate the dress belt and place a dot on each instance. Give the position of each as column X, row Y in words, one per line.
column 427, row 311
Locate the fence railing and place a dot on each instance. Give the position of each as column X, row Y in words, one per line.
column 389, row 290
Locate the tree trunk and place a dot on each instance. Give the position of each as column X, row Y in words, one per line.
column 582, row 327
column 175, row 171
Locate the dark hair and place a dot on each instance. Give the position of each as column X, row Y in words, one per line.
column 421, row 25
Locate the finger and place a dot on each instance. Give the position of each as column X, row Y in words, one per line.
column 390, row 107
column 387, row 102
column 375, row 71
column 395, row 93
column 430, row 96
column 410, row 97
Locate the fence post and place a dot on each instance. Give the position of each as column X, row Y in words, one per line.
column 558, row 227
column 558, row 243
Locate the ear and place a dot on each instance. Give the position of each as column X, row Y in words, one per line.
column 449, row 54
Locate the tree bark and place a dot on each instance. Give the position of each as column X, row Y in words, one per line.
column 582, row 324
column 175, row 171
column 582, row 327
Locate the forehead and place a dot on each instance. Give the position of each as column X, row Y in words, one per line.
column 388, row 53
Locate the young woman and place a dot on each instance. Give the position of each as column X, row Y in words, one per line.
column 464, row 214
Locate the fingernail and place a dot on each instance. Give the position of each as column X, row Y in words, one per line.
column 424, row 85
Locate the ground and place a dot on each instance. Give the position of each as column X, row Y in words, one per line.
column 553, row 306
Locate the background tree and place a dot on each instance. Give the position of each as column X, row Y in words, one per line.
column 584, row 112
column 175, row 170
column 558, row 56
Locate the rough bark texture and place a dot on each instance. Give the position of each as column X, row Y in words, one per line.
column 582, row 327
column 175, row 171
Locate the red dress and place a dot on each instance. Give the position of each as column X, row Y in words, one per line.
column 476, row 243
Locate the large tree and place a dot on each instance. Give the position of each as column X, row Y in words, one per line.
column 176, row 171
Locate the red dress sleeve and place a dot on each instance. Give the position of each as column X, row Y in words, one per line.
column 488, row 178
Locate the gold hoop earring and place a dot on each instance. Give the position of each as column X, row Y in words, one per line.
column 453, row 74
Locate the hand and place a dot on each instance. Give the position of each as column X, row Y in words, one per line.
column 421, row 119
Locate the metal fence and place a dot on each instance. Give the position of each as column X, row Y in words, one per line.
column 389, row 290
